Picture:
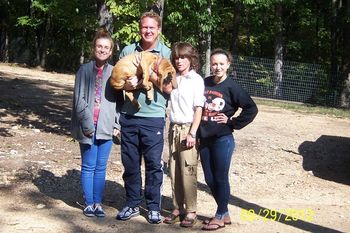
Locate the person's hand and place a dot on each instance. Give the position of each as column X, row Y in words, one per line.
column 88, row 134
column 116, row 136
column 132, row 83
column 221, row 118
column 190, row 141
column 116, row 132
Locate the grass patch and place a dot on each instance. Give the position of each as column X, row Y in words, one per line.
column 305, row 108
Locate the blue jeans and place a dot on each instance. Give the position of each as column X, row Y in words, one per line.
column 94, row 160
column 216, row 154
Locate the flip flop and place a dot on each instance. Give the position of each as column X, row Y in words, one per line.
column 206, row 221
column 207, row 227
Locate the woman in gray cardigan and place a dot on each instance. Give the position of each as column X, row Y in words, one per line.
column 95, row 118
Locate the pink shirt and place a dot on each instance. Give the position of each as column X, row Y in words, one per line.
column 98, row 92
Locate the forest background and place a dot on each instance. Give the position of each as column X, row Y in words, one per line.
column 56, row 35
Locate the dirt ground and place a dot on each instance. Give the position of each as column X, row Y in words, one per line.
column 290, row 171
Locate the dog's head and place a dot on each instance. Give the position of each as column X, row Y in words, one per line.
column 166, row 73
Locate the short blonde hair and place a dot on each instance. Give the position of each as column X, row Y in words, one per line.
column 152, row 15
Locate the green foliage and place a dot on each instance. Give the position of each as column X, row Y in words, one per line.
column 307, row 27
column 128, row 33
column 41, row 5
column 28, row 21
column 126, row 14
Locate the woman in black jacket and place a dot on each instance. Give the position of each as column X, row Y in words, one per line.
column 223, row 98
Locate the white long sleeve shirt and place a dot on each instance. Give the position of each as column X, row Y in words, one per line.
column 188, row 95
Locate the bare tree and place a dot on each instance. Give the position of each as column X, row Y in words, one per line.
column 345, row 95
column 278, row 52
column 237, row 9
column 45, row 42
column 4, row 38
column 105, row 19
column 205, row 47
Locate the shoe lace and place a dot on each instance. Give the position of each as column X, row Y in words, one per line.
column 89, row 208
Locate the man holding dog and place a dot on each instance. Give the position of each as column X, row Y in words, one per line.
column 142, row 131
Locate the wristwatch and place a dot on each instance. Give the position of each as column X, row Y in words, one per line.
column 193, row 135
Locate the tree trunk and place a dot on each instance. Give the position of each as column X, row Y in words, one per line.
column 44, row 43
column 105, row 19
column 37, row 49
column 82, row 53
column 82, row 58
column 6, row 56
column 334, row 42
column 238, row 6
column 207, row 55
column 6, row 53
column 158, row 7
column 4, row 32
column 207, row 47
column 277, row 92
column 4, row 40
column 345, row 94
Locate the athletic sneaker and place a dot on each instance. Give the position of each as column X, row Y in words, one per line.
column 89, row 211
column 128, row 212
column 154, row 217
column 99, row 211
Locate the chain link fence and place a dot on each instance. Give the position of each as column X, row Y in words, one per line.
column 300, row 82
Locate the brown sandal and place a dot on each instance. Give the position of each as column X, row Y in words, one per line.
column 171, row 219
column 188, row 222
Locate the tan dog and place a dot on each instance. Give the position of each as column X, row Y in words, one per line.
column 143, row 65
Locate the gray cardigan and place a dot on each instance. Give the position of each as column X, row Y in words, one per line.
column 83, row 104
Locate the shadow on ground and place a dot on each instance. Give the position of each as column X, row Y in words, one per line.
column 49, row 102
column 328, row 158
column 250, row 211
column 67, row 188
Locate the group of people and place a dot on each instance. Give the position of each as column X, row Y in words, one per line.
column 201, row 124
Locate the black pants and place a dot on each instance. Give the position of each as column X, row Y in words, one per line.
column 142, row 136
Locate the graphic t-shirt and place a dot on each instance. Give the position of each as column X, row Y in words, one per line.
column 225, row 97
